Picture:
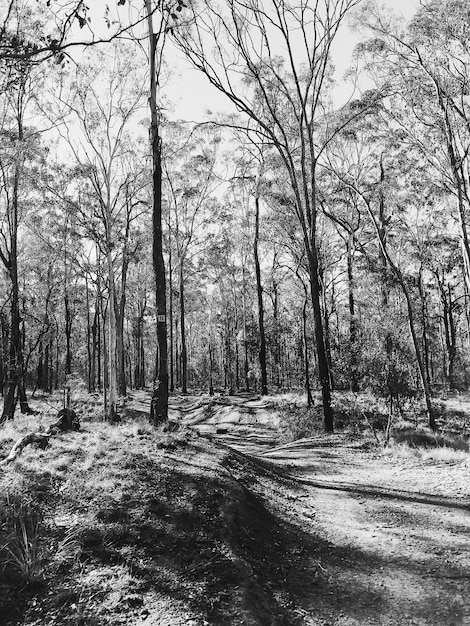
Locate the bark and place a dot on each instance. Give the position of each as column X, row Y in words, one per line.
column 15, row 363
column 353, row 345
column 88, row 337
column 322, row 358
column 120, row 348
column 111, row 407
column 245, row 338
column 68, row 335
column 306, row 355
column 184, row 352
column 159, row 404
column 211, row 369
column 95, row 349
column 172, row 353
column 424, row 324
column 259, row 293
column 235, row 334
column 120, row 312
column 3, row 351
column 277, row 339
column 139, row 370
column 450, row 337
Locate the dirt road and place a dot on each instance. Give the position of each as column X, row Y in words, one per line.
column 380, row 539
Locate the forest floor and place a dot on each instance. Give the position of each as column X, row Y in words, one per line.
column 221, row 522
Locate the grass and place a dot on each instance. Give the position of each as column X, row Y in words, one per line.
column 127, row 515
column 20, row 549
column 110, row 516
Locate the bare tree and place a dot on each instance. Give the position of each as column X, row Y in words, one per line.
column 273, row 63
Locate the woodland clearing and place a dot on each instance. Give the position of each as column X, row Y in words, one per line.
column 223, row 522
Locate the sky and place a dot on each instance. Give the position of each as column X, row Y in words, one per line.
column 192, row 95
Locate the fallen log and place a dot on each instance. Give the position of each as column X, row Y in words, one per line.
column 66, row 420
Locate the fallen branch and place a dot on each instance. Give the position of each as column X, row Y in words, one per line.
column 66, row 420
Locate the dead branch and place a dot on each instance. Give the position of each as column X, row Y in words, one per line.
column 67, row 420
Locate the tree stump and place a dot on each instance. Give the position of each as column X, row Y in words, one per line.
column 67, row 420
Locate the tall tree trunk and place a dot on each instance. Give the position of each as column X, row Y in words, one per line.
column 306, row 356
column 424, row 324
column 211, row 369
column 68, row 335
column 3, row 351
column 88, row 336
column 259, row 292
column 15, row 364
column 277, row 339
column 353, row 345
column 111, row 412
column 322, row 357
column 159, row 404
column 120, row 348
column 172, row 353
column 47, row 367
column 139, row 370
column 184, row 353
column 449, row 331
column 211, row 357
column 235, row 334
column 245, row 338
column 95, row 347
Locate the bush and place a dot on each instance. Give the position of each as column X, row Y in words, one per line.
column 298, row 422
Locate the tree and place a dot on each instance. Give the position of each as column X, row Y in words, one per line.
column 189, row 177
column 424, row 68
column 111, row 190
column 21, row 148
column 284, row 95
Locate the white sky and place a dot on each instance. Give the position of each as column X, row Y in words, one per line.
column 192, row 95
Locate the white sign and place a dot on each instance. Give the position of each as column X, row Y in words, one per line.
column 161, row 318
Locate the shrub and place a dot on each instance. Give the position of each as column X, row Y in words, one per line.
column 298, row 422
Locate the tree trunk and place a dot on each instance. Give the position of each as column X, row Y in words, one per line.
column 111, row 408
column 322, row 358
column 184, row 353
column 120, row 349
column 259, row 292
column 424, row 324
column 353, row 345
column 306, row 356
column 211, row 369
column 245, row 338
column 277, row 339
column 68, row 335
column 3, row 351
column 95, row 348
column 88, row 336
column 172, row 353
column 15, row 364
column 120, row 316
column 139, row 370
column 159, row 404
column 449, row 332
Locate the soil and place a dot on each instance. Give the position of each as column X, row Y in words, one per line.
column 218, row 523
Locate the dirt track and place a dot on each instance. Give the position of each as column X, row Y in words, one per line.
column 385, row 540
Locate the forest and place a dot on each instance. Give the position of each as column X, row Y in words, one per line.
column 236, row 290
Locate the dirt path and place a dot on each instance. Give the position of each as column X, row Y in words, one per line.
column 385, row 540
